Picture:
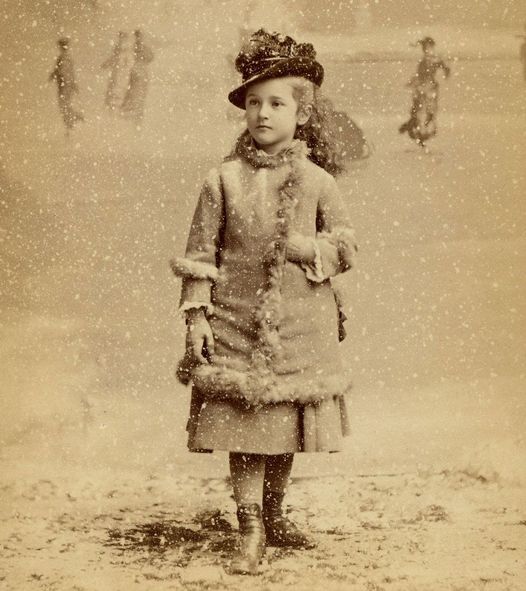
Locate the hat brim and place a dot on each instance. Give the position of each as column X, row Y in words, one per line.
column 294, row 66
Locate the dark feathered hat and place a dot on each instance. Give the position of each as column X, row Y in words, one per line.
column 271, row 55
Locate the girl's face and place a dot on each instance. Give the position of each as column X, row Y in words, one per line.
column 272, row 114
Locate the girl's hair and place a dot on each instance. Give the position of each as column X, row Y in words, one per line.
column 320, row 132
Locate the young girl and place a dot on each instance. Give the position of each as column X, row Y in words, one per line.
column 269, row 231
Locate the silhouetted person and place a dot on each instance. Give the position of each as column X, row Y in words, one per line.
column 135, row 98
column 523, row 58
column 64, row 76
column 421, row 124
column 118, row 64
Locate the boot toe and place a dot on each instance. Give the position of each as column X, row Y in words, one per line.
column 241, row 566
column 299, row 541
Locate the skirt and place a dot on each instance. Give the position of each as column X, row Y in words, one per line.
column 285, row 427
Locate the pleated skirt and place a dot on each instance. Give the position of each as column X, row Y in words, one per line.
column 285, row 427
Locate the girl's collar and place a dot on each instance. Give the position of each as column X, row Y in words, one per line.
column 246, row 148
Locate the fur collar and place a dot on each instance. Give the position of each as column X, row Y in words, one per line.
column 246, row 149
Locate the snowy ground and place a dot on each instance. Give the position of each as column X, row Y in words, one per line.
column 98, row 491
column 91, row 532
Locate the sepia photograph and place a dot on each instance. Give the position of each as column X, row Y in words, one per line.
column 262, row 295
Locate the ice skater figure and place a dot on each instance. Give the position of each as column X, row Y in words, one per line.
column 64, row 76
column 118, row 64
column 135, row 98
column 422, row 124
column 269, row 231
column 522, row 54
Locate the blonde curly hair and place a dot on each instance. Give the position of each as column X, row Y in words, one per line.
column 319, row 132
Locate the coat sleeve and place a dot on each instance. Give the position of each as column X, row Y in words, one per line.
column 335, row 235
column 199, row 267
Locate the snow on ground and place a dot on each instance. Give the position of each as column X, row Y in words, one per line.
column 101, row 530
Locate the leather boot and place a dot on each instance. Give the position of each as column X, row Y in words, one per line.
column 251, row 540
column 279, row 530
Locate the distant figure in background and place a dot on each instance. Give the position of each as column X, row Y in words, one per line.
column 135, row 98
column 118, row 64
column 523, row 57
column 64, row 76
column 421, row 124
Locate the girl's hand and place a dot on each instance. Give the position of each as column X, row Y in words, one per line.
column 300, row 248
column 199, row 337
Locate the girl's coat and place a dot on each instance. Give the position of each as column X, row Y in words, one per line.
column 275, row 323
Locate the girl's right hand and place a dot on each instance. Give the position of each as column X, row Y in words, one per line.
column 199, row 337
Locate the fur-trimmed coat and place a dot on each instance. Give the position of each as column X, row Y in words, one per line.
column 275, row 322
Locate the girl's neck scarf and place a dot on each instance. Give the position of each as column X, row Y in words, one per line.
column 247, row 149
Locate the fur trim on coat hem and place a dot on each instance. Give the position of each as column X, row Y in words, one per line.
column 255, row 390
column 184, row 267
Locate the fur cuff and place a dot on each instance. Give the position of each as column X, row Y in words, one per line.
column 208, row 307
column 184, row 267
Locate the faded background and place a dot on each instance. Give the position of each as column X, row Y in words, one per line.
column 89, row 331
